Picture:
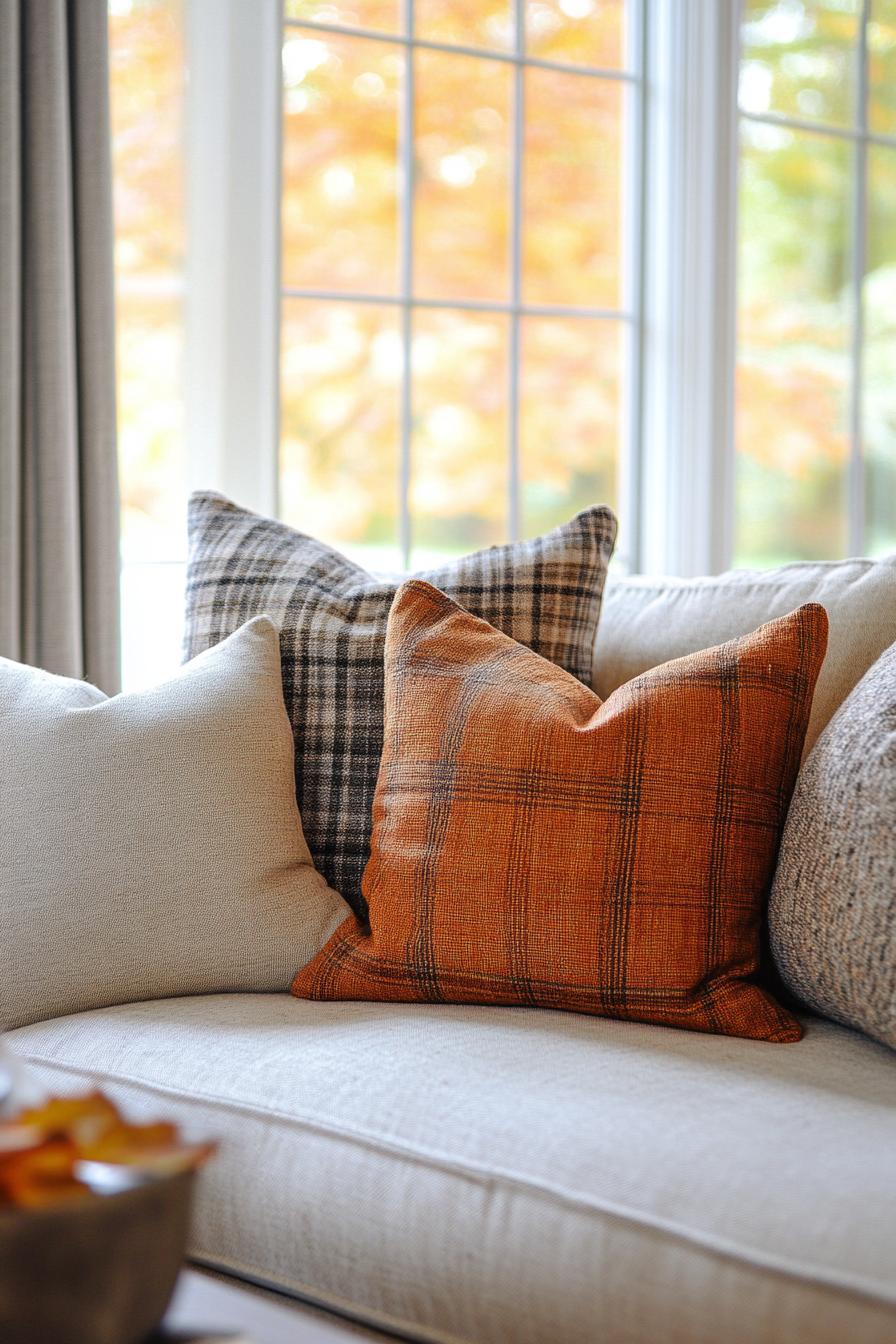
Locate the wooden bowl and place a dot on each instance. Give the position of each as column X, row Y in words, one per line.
column 102, row 1269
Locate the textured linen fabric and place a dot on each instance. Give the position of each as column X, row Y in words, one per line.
column 486, row 1175
column 332, row 617
column 150, row 844
column 647, row 621
column 59, row 515
column 534, row 846
column 832, row 914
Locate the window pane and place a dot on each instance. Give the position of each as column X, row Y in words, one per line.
column 586, row 32
column 383, row 15
column 152, row 621
column 146, row 88
column 462, row 152
column 340, row 379
column 879, row 400
column 793, row 346
column 459, row 450
column 573, row 363
column 571, row 229
column 340, row 163
column 150, row 423
column 469, row 23
column 882, row 67
column 798, row 57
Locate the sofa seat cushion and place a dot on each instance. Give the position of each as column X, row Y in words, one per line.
column 486, row 1174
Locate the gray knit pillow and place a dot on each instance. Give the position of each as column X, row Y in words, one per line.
column 833, row 903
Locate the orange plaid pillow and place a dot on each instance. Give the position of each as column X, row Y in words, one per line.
column 533, row 845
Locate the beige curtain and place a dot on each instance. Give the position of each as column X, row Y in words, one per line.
column 58, row 466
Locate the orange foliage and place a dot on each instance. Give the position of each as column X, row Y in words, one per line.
column 41, row 1147
column 342, row 363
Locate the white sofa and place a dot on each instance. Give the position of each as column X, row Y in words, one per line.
column 487, row 1176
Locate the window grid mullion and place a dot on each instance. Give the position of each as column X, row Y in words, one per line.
column 516, row 224
column 861, row 132
column 856, row 470
column 464, row 305
column 406, row 243
column 406, row 39
column 632, row 224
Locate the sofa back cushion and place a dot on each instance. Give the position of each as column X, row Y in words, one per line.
column 332, row 618
column 832, row 915
column 646, row 621
column 534, row 846
column 150, row 844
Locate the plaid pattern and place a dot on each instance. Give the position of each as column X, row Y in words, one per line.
column 332, row 616
column 534, row 846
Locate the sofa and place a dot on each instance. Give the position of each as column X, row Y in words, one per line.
column 476, row 1175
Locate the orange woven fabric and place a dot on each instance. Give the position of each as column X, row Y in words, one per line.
column 532, row 845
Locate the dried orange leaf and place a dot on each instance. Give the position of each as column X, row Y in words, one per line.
column 39, row 1175
column 40, row 1147
column 128, row 1141
column 85, row 1118
column 163, row 1161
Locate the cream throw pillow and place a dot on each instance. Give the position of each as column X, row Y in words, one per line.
column 648, row 621
column 150, row 844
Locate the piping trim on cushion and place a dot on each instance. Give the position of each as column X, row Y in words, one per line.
column 881, row 1293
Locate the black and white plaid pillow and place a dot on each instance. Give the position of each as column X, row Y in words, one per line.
column 332, row 618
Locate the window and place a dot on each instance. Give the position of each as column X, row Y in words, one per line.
column 422, row 275
column 147, row 75
column 459, row 225
column 816, row 356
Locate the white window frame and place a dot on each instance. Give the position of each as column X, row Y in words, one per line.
column 687, row 500
column 676, row 492
column 232, row 311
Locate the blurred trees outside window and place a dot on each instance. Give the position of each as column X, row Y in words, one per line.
column 816, row 338
column 455, row 352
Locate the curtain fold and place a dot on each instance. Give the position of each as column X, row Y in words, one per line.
column 59, row 519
